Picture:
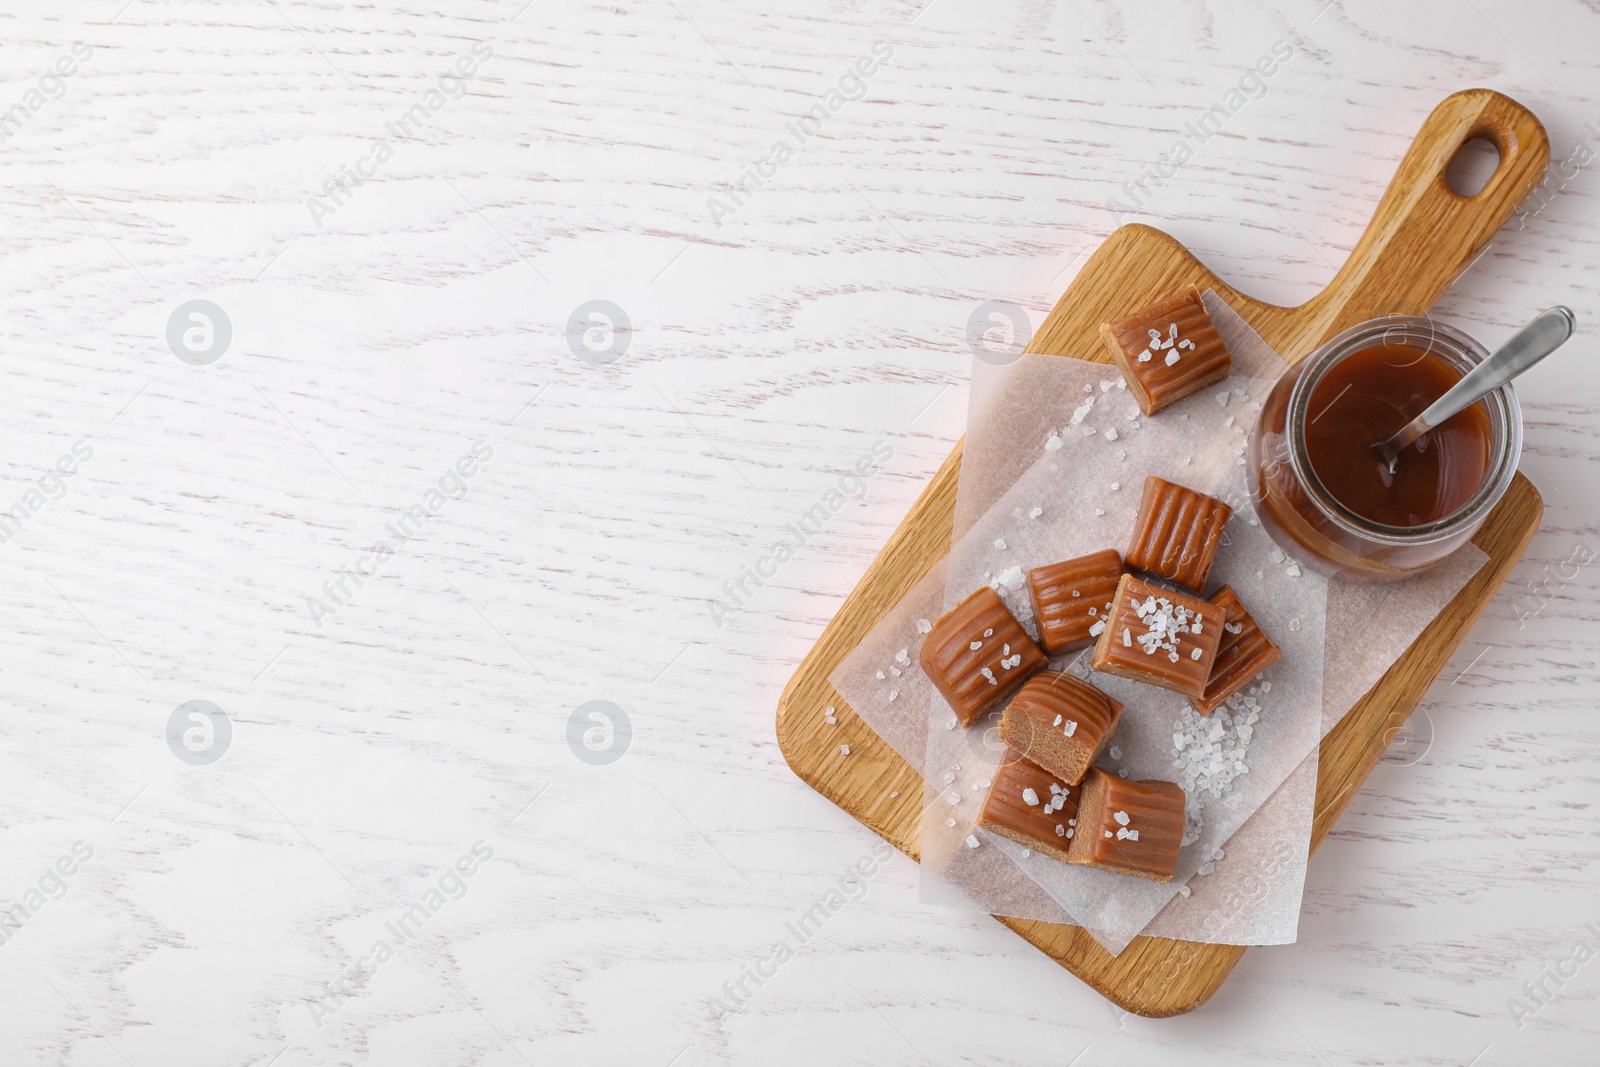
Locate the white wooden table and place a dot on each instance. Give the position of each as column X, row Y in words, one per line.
column 382, row 330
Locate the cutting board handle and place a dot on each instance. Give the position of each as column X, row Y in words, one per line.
column 1424, row 234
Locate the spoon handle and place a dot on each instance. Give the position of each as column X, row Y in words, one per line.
column 1547, row 332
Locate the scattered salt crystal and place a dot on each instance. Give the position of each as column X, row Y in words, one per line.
column 1294, row 624
column 892, row 694
column 1029, row 797
column 894, row 794
column 952, row 724
column 901, row 657
column 1094, row 611
column 1121, row 817
column 954, row 798
column 844, row 750
column 1222, row 398
column 972, row 842
column 1000, row 542
column 1057, row 722
column 1127, row 638
column 1293, row 570
column 1089, row 431
column 1111, row 434
column 949, row 822
column 1172, row 357
column 987, row 633
column 1061, row 831
column 924, row 626
column 1195, row 654
column 1099, row 511
column 1183, row 890
column 1035, row 513
column 1183, row 418
column 828, row 712
column 895, row 671
column 1106, row 387
column 1097, row 629
column 1071, row 728
column 1116, row 753
column 970, row 648
column 1052, row 442
column 1116, row 485
column 880, row 676
column 1081, row 410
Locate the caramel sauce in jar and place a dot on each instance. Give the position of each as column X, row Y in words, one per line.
column 1318, row 485
column 1367, row 397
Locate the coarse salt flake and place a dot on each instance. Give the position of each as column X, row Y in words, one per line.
column 1029, row 797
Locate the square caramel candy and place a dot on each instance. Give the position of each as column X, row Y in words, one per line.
column 1071, row 596
column 1130, row 827
column 1167, row 350
column 1243, row 653
column 1158, row 636
column 1060, row 722
column 1031, row 806
column 1177, row 533
column 977, row 654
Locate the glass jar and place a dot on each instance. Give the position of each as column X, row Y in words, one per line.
column 1313, row 527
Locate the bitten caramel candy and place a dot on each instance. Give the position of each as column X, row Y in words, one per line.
column 1061, row 723
column 1132, row 827
column 1177, row 533
column 1168, row 350
column 1160, row 637
column 977, row 654
column 1069, row 597
column 1031, row 806
column 1243, row 653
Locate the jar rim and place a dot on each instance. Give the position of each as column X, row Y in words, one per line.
column 1462, row 351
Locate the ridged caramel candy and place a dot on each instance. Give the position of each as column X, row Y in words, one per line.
column 1130, row 827
column 1064, row 594
column 1243, row 653
column 1031, row 806
column 1060, row 722
column 1159, row 636
column 973, row 679
column 1177, row 533
column 1168, row 350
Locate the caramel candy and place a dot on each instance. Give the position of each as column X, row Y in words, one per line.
column 1030, row 806
column 1161, row 637
column 977, row 654
column 1243, row 653
column 1061, row 723
column 1177, row 533
column 1168, row 350
column 1071, row 596
column 1131, row 827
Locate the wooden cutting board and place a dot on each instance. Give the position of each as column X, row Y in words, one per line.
column 1420, row 238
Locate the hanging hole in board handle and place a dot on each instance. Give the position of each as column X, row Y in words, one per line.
column 1473, row 166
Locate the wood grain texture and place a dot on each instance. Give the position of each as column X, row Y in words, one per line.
column 1421, row 237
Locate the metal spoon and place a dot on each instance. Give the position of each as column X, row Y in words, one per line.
column 1547, row 332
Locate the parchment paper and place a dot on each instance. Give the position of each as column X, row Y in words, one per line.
column 1252, row 895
